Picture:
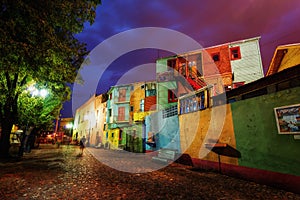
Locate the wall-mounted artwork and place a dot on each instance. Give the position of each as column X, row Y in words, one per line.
column 288, row 119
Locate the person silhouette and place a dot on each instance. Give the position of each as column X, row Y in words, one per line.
column 82, row 143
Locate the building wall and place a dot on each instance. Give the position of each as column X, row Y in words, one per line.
column 222, row 66
column 256, row 133
column 100, row 108
column 134, row 138
column 194, row 136
column 290, row 59
column 249, row 67
column 166, row 131
column 163, row 86
column 113, row 138
column 135, row 98
column 85, row 121
column 250, row 128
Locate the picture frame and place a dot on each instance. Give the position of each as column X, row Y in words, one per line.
column 288, row 119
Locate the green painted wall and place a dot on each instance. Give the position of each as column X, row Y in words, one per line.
column 256, row 133
column 163, row 87
column 134, row 143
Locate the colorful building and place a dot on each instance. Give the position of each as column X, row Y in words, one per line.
column 117, row 115
column 127, row 107
column 285, row 56
column 89, row 120
column 142, row 103
column 247, row 129
column 224, row 66
column 198, row 76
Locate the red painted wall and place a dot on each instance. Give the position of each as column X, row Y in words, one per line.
column 149, row 103
column 222, row 66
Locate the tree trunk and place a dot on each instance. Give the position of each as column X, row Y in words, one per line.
column 8, row 119
column 4, row 140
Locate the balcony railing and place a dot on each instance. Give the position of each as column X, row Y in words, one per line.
column 120, row 119
column 169, row 112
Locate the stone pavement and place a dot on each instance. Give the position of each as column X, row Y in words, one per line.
column 52, row 173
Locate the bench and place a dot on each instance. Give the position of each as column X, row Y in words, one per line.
column 165, row 155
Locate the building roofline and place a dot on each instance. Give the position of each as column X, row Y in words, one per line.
column 210, row 47
column 129, row 84
column 273, row 67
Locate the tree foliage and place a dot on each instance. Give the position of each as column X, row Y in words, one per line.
column 37, row 44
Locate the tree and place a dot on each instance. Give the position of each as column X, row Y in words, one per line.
column 37, row 109
column 37, row 44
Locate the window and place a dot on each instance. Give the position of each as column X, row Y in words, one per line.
column 151, row 92
column 169, row 112
column 171, row 64
column 122, row 94
column 195, row 64
column 121, row 114
column 215, row 57
column 235, row 53
column 109, row 112
column 142, row 102
column 171, row 96
column 199, row 101
column 131, row 108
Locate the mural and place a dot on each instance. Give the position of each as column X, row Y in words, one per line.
column 288, row 119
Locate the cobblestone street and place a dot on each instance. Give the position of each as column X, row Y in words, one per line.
column 52, row 173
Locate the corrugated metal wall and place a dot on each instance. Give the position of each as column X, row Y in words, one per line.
column 249, row 67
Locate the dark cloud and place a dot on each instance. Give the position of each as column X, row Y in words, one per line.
column 210, row 22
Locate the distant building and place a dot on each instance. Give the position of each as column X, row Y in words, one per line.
column 89, row 120
column 285, row 56
column 127, row 107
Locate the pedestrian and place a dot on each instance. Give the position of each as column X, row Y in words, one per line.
column 82, row 143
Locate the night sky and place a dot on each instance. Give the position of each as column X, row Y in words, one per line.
column 209, row 22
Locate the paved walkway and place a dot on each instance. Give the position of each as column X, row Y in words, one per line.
column 51, row 173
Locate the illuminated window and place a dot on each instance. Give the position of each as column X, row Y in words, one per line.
column 142, row 105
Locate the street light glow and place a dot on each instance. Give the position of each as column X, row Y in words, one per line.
column 69, row 125
column 36, row 92
column 43, row 93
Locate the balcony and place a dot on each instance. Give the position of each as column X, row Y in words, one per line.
column 118, row 100
column 140, row 116
column 120, row 119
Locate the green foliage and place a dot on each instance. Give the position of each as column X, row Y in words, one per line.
column 37, row 44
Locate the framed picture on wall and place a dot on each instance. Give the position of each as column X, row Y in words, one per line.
column 288, row 119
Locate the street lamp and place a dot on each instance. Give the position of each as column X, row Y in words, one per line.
column 36, row 92
column 69, row 127
column 25, row 143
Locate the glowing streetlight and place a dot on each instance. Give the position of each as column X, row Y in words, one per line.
column 69, row 126
column 43, row 93
column 36, row 92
